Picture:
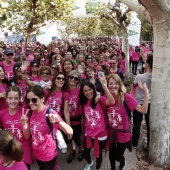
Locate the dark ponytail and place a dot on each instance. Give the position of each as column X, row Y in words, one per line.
column 10, row 147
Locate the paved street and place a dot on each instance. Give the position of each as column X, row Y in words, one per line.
column 131, row 162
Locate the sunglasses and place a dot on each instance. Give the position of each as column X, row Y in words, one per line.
column 112, row 63
column 17, row 68
column 75, row 78
column 10, row 54
column 60, row 78
column 54, row 68
column 45, row 73
column 42, row 60
column 28, row 50
column 33, row 100
column 34, row 66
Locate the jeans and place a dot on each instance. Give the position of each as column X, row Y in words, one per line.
column 137, row 120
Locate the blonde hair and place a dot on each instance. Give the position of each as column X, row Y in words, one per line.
column 122, row 89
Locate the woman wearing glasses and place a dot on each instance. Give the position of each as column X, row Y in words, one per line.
column 34, row 71
column 74, row 115
column 14, row 119
column 55, row 68
column 43, row 143
column 45, row 73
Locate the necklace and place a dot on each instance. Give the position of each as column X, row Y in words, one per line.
column 8, row 164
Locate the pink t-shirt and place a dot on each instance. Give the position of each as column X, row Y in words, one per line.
column 16, row 166
column 13, row 124
column 135, row 56
column 8, row 69
column 95, row 118
column 3, row 88
column 43, row 144
column 56, row 101
column 74, row 105
column 118, row 117
column 38, row 79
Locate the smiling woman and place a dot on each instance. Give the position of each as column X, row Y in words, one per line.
column 42, row 139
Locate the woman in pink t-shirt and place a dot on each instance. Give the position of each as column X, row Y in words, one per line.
column 118, row 120
column 74, row 118
column 11, row 152
column 43, row 143
column 3, row 88
column 94, row 122
column 15, row 119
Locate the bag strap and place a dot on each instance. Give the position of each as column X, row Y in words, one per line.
column 128, row 111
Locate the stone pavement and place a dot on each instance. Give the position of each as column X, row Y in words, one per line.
column 131, row 162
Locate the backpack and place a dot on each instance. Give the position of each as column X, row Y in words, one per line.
column 49, row 125
column 128, row 111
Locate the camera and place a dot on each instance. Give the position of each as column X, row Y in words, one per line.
column 137, row 49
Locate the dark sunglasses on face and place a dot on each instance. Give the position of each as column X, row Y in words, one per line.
column 17, row 68
column 10, row 54
column 45, row 73
column 27, row 50
column 34, row 66
column 112, row 63
column 75, row 78
column 54, row 68
column 43, row 60
column 33, row 100
column 60, row 78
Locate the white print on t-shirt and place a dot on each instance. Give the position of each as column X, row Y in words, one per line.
column 56, row 106
column 93, row 117
column 72, row 106
column 17, row 132
column 37, row 137
column 114, row 118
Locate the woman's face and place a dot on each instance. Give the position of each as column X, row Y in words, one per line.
column 73, row 80
column 81, row 58
column 13, row 99
column 113, row 86
column 42, row 62
column 34, row 67
column 54, row 68
column 88, row 92
column 90, row 73
column 58, row 59
column 80, row 69
column 34, row 102
column 18, row 71
column 95, row 62
column 1, row 73
column 60, row 80
column 45, row 75
column 68, row 66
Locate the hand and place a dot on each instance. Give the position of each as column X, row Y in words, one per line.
column 102, row 79
column 24, row 66
column 69, row 137
column 24, row 117
column 53, row 118
column 97, row 98
column 143, row 87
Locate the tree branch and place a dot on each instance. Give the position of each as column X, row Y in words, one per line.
column 139, row 9
column 107, row 16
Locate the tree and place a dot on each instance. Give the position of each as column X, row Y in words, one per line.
column 159, row 13
column 28, row 16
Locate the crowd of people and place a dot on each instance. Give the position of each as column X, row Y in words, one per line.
column 76, row 88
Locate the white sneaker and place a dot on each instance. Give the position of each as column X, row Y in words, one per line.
column 87, row 167
column 64, row 150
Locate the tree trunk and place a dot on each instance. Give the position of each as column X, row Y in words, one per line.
column 125, row 47
column 160, row 103
column 28, row 39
